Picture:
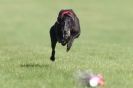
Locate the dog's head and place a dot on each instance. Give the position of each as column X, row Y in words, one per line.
column 66, row 22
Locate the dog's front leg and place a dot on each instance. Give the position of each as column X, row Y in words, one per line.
column 53, row 43
column 69, row 44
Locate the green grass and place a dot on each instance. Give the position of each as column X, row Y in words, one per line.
column 105, row 45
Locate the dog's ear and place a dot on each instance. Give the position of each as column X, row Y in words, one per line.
column 72, row 16
column 60, row 15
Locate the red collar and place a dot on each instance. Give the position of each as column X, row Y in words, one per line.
column 66, row 12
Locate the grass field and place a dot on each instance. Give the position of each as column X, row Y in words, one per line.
column 105, row 45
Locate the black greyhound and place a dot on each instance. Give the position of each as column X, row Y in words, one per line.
column 65, row 30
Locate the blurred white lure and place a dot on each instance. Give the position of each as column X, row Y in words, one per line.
column 89, row 79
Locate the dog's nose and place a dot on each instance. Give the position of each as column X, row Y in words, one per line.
column 63, row 41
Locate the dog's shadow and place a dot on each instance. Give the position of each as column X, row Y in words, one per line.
column 31, row 65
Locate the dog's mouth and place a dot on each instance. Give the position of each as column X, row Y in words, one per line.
column 63, row 43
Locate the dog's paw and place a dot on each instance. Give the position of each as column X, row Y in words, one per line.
column 52, row 58
column 68, row 47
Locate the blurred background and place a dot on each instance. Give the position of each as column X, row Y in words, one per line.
column 29, row 21
column 105, row 44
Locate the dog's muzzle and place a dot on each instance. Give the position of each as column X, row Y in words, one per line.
column 63, row 42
